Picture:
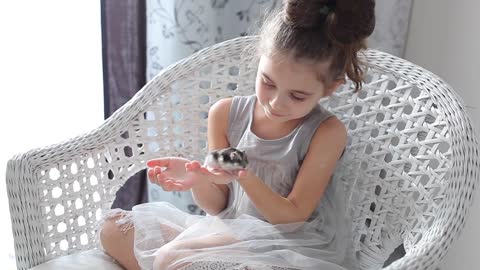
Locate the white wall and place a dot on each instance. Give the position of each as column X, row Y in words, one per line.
column 444, row 37
column 51, row 85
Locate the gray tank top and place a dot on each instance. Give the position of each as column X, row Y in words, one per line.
column 276, row 161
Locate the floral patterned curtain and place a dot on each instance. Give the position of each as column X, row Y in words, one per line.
column 176, row 29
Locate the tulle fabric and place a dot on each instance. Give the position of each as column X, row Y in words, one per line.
column 245, row 240
column 323, row 242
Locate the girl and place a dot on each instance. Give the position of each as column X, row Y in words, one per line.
column 283, row 210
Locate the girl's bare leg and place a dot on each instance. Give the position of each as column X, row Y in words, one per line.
column 119, row 244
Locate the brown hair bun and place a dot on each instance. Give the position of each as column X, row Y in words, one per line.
column 346, row 21
column 352, row 21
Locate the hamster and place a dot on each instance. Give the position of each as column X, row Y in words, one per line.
column 228, row 159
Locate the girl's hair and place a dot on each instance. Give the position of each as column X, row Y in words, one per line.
column 322, row 30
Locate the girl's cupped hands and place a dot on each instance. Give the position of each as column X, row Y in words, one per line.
column 179, row 174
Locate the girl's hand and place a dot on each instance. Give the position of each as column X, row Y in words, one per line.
column 216, row 176
column 175, row 176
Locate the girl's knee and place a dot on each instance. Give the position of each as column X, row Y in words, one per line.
column 109, row 233
column 118, row 244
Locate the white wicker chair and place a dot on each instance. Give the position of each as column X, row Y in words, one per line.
column 412, row 161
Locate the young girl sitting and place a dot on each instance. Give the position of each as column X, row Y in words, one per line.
column 283, row 210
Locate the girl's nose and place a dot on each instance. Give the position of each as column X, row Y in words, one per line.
column 277, row 102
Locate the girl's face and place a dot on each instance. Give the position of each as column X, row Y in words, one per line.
column 287, row 89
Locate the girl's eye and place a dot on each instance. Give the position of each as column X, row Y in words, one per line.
column 268, row 85
column 297, row 98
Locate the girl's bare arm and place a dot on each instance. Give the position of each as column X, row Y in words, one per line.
column 213, row 198
column 312, row 179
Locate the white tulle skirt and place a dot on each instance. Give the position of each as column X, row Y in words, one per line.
column 244, row 242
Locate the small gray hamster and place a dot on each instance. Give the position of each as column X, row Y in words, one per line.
column 227, row 159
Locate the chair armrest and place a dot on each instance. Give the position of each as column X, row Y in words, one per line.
column 57, row 193
column 435, row 242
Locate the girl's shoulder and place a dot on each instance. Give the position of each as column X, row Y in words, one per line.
column 228, row 114
column 243, row 101
column 224, row 105
column 331, row 134
column 219, row 112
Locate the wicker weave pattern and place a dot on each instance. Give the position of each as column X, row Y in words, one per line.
column 411, row 164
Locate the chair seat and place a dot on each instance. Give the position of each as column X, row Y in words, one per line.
column 90, row 259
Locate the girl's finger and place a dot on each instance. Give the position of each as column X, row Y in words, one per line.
column 220, row 172
column 159, row 162
column 163, row 181
column 205, row 170
column 196, row 163
column 242, row 173
column 161, row 177
column 191, row 167
column 171, row 185
column 213, row 171
column 151, row 175
column 178, row 187
column 167, row 185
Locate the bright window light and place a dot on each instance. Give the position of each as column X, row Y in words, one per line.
column 51, row 85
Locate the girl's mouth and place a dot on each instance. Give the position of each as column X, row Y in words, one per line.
column 275, row 113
